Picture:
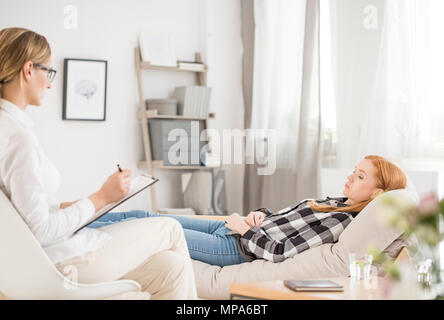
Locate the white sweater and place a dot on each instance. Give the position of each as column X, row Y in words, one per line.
column 30, row 181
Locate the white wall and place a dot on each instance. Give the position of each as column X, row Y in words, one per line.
column 426, row 165
column 86, row 153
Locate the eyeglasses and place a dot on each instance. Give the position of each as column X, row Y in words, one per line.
column 51, row 72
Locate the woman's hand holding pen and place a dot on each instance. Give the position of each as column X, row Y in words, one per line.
column 115, row 187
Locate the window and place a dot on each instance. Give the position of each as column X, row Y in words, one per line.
column 431, row 63
column 402, row 79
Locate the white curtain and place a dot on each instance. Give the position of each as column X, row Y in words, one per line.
column 285, row 98
column 392, row 120
column 278, row 74
column 385, row 73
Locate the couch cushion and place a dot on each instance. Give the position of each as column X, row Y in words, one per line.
column 327, row 260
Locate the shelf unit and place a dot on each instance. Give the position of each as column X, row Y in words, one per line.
column 144, row 115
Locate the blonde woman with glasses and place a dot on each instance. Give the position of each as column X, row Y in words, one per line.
column 152, row 252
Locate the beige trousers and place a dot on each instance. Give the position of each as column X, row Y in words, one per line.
column 151, row 251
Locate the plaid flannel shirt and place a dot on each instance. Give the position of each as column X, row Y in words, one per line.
column 293, row 230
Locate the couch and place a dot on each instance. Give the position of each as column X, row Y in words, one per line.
column 327, row 260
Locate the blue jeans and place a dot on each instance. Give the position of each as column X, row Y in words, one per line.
column 206, row 239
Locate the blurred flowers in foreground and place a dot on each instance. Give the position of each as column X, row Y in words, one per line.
column 420, row 225
column 421, row 221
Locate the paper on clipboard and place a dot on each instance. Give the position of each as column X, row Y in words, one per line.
column 137, row 185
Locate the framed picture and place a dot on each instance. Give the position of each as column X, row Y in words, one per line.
column 84, row 89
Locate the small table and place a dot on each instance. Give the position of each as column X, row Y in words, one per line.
column 370, row 289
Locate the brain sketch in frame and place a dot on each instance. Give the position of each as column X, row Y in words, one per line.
column 84, row 89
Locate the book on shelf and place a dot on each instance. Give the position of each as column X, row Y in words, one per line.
column 191, row 65
column 193, row 101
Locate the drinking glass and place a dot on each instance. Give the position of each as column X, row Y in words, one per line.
column 360, row 265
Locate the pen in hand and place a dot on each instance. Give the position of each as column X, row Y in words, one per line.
column 118, row 167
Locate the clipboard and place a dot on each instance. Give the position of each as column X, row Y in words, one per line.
column 138, row 184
